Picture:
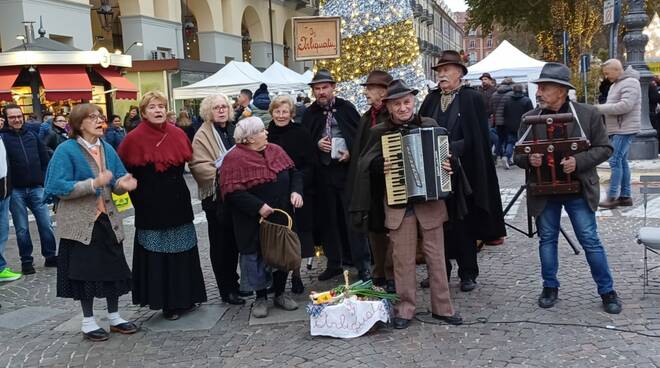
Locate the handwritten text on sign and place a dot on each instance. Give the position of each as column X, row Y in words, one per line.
column 316, row 38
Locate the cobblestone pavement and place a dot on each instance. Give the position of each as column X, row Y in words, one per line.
column 505, row 326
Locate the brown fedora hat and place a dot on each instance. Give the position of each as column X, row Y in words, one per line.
column 322, row 76
column 450, row 57
column 378, row 78
column 397, row 89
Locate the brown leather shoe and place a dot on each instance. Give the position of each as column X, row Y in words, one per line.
column 625, row 201
column 609, row 203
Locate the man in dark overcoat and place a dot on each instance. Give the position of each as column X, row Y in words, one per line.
column 475, row 212
column 333, row 123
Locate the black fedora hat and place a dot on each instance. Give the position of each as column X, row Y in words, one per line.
column 378, row 78
column 486, row 75
column 555, row 73
column 450, row 57
column 397, row 89
column 322, row 76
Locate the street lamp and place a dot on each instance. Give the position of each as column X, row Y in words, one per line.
column 136, row 43
column 645, row 143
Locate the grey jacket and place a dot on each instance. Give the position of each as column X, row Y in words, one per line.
column 623, row 108
column 585, row 162
column 76, row 213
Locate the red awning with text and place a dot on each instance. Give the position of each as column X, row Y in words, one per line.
column 125, row 89
column 8, row 76
column 66, row 82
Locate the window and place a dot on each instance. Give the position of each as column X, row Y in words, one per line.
column 473, row 57
column 472, row 32
column 489, row 42
column 471, row 44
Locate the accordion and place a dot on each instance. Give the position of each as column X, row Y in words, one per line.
column 415, row 173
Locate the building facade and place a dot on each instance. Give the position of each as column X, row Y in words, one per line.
column 215, row 31
column 437, row 30
column 476, row 44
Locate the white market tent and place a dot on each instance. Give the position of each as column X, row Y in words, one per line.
column 507, row 61
column 308, row 75
column 237, row 75
column 278, row 76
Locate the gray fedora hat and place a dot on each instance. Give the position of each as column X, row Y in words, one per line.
column 322, row 76
column 397, row 89
column 555, row 73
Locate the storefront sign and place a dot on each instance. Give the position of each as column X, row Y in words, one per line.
column 316, row 38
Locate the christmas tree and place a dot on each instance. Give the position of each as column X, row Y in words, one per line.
column 376, row 34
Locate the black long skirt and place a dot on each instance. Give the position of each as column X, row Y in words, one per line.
column 167, row 280
column 97, row 270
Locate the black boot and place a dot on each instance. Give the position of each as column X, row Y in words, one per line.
column 548, row 297
column 297, row 286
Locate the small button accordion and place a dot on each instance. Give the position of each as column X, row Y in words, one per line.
column 415, row 173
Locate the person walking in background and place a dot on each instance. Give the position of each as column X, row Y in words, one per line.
column 28, row 160
column 184, row 123
column 57, row 133
column 81, row 178
column 6, row 274
column 514, row 109
column 210, row 145
column 132, row 119
column 261, row 102
column 115, row 133
column 298, row 144
column 257, row 177
column 497, row 103
column 243, row 107
column 166, row 269
column 622, row 112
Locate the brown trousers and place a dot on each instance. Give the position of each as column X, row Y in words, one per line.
column 404, row 246
column 381, row 251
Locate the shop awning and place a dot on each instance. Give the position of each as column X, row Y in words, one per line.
column 66, row 82
column 8, row 76
column 125, row 88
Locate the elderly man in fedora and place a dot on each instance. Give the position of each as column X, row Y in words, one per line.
column 333, row 123
column 552, row 96
column 375, row 89
column 405, row 221
column 475, row 211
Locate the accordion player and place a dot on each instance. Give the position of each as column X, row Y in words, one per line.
column 415, row 158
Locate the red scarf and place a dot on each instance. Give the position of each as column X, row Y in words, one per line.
column 374, row 113
column 244, row 168
column 163, row 145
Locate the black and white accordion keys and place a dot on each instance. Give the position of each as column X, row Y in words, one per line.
column 415, row 173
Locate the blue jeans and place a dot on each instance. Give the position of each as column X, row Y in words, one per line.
column 510, row 143
column 21, row 200
column 494, row 141
column 583, row 220
column 619, row 166
column 4, row 230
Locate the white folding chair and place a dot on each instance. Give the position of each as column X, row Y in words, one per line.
column 649, row 236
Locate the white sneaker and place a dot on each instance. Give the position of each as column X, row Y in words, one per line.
column 505, row 163
column 285, row 302
column 260, row 308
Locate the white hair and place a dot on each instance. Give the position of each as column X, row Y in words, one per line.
column 247, row 128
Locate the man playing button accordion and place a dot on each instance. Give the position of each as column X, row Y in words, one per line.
column 403, row 221
column 552, row 97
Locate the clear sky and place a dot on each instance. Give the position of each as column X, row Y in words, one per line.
column 456, row 5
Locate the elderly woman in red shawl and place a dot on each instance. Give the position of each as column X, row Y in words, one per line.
column 166, row 270
column 255, row 178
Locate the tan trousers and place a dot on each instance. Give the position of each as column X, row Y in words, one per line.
column 381, row 250
column 404, row 246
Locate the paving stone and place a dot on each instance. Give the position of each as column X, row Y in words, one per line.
column 26, row 316
column 204, row 318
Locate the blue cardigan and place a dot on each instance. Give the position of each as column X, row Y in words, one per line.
column 68, row 166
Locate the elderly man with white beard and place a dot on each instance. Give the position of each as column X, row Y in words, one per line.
column 475, row 211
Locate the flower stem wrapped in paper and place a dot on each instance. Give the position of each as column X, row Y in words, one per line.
column 349, row 310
